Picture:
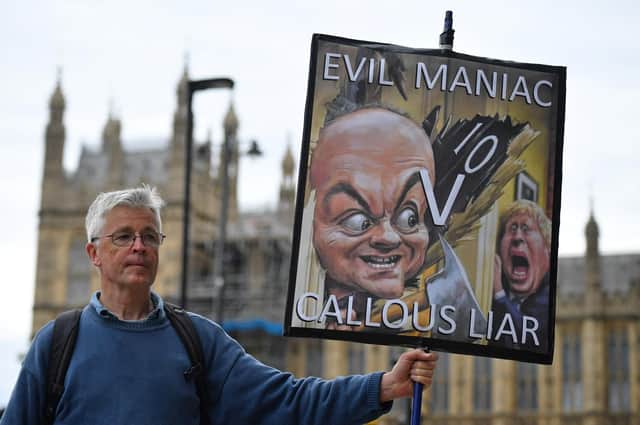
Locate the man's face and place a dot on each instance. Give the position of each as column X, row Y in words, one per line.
column 524, row 254
column 127, row 266
column 369, row 228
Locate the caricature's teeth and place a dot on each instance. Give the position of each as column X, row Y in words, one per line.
column 520, row 266
column 381, row 262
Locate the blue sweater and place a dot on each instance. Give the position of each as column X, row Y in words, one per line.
column 132, row 373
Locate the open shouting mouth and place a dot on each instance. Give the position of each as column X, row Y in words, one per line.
column 519, row 267
column 381, row 263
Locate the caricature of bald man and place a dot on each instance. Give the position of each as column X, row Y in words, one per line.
column 369, row 228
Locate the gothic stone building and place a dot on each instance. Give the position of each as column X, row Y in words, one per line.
column 595, row 377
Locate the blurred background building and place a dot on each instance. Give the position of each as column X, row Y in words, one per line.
column 595, row 377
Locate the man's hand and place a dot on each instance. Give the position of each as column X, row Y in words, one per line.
column 412, row 366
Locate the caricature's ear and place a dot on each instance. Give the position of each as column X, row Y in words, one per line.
column 547, row 253
column 92, row 252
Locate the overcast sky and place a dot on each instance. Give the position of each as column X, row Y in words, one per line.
column 127, row 56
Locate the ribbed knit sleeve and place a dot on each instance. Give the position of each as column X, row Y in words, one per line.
column 247, row 391
column 26, row 405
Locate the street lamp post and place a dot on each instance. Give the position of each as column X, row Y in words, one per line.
column 193, row 86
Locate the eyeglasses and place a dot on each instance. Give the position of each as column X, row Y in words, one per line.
column 124, row 239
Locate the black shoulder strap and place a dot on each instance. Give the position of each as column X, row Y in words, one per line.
column 65, row 333
column 188, row 335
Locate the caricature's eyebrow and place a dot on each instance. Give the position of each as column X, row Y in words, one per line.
column 411, row 181
column 348, row 190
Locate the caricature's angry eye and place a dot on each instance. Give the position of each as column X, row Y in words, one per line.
column 357, row 223
column 407, row 220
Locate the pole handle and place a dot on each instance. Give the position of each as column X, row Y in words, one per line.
column 416, row 404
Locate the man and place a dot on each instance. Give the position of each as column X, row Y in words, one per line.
column 521, row 277
column 128, row 363
column 369, row 227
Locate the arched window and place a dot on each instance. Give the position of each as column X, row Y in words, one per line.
column 440, row 386
column 356, row 358
column 482, row 371
column 527, row 388
column 314, row 357
column 618, row 359
column 571, row 373
column 78, row 274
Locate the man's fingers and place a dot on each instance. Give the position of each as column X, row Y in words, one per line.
column 420, row 355
column 424, row 380
column 423, row 367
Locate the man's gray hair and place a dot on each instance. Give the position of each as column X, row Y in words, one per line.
column 144, row 196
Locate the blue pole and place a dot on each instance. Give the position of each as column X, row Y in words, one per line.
column 416, row 405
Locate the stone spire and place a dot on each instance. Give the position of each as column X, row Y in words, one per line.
column 592, row 259
column 288, row 163
column 182, row 88
column 230, row 126
column 53, row 177
column 111, row 133
column 287, row 186
column 57, row 102
column 175, row 185
column 180, row 114
column 592, row 234
column 55, row 133
column 230, row 122
column 112, row 147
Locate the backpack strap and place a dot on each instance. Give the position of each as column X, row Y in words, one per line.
column 65, row 333
column 185, row 329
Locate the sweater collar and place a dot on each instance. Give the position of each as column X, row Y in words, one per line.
column 156, row 313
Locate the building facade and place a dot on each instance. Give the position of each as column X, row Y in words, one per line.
column 595, row 377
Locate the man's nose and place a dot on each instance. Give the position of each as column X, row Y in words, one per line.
column 137, row 244
column 518, row 237
column 384, row 236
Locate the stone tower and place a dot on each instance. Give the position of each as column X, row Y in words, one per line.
column 230, row 127
column 593, row 332
column 53, row 178
column 177, row 144
column 287, row 186
column 592, row 254
column 112, row 147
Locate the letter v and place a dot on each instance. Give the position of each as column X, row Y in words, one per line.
column 439, row 218
column 353, row 76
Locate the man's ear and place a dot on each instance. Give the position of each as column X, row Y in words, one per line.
column 92, row 252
